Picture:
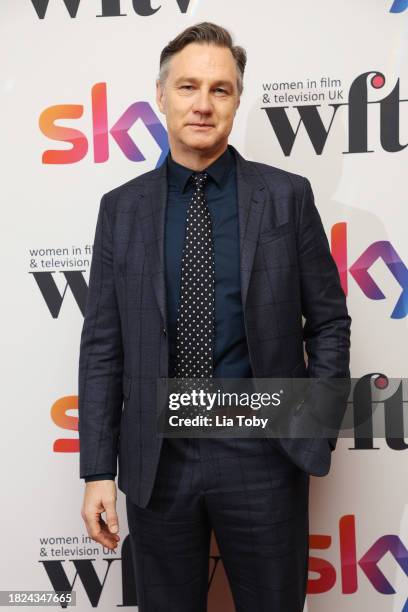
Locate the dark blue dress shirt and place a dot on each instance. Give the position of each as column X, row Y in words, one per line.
column 230, row 350
column 231, row 358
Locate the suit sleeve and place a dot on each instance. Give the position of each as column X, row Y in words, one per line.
column 327, row 322
column 100, row 394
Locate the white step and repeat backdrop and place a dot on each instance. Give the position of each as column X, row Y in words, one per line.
column 326, row 96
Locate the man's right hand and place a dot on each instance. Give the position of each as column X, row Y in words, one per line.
column 100, row 496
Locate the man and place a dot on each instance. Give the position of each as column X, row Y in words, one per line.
column 240, row 247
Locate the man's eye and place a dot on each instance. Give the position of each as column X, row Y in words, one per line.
column 220, row 89
column 186, row 87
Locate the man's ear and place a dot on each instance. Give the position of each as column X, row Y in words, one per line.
column 238, row 103
column 160, row 96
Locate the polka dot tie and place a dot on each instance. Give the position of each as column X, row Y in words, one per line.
column 195, row 322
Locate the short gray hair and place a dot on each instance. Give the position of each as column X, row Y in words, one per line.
column 204, row 32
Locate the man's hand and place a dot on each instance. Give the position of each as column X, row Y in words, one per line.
column 100, row 496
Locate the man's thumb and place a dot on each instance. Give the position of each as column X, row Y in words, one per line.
column 112, row 520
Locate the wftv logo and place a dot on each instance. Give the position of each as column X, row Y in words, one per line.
column 357, row 118
column 399, row 6
column 100, row 130
column 109, row 8
column 359, row 270
column 112, row 8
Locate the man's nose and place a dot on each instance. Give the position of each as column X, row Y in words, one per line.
column 202, row 102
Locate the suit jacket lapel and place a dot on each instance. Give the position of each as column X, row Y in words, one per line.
column 251, row 202
column 153, row 230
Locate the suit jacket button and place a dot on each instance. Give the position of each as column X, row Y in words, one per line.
column 164, row 331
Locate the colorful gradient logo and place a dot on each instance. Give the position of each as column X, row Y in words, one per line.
column 359, row 270
column 100, row 130
column 61, row 418
column 350, row 563
column 399, row 6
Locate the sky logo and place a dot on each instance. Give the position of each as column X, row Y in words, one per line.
column 360, row 269
column 352, row 564
column 399, row 6
column 101, row 131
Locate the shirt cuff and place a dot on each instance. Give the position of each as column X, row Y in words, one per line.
column 99, row 477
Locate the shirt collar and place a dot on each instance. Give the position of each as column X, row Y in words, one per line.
column 218, row 170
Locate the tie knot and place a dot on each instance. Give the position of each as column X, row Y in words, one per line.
column 199, row 179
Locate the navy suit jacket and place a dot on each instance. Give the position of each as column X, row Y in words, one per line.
column 287, row 275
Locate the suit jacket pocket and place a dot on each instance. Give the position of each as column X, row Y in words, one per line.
column 276, row 232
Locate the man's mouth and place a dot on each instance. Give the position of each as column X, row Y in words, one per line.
column 200, row 126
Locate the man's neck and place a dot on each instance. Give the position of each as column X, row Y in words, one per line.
column 194, row 159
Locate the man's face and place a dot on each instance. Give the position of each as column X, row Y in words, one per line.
column 199, row 98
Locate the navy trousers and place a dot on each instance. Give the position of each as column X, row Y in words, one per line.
column 256, row 501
